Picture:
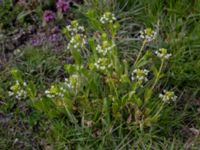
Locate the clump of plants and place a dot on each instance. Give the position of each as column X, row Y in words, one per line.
column 101, row 90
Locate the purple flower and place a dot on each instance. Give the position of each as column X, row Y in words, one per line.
column 62, row 5
column 54, row 38
column 36, row 42
column 48, row 16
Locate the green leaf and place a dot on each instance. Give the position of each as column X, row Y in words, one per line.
column 22, row 15
column 91, row 14
column 77, row 57
column 66, row 32
column 31, row 89
column 138, row 101
column 145, row 59
column 16, row 74
column 106, row 110
column 46, row 106
column 155, row 71
column 93, row 47
column 149, row 121
column 147, row 95
column 69, row 68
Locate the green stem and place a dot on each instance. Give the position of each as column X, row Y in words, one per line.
column 158, row 75
column 70, row 115
column 112, row 85
column 157, row 114
column 140, row 52
column 160, row 109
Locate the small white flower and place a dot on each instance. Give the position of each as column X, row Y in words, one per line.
column 75, row 46
column 69, row 28
column 108, row 18
column 47, row 92
column 140, row 75
column 10, row 93
column 17, row 82
column 25, row 84
column 104, row 50
column 168, row 96
column 148, row 34
column 162, row 53
column 74, row 28
column 76, row 42
column 81, row 28
column 102, row 67
column 110, row 65
column 102, row 64
column 18, row 90
column 50, row 96
column 61, row 88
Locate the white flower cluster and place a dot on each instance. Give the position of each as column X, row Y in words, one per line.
column 18, row 90
column 104, row 51
column 108, row 17
column 79, row 67
column 76, row 36
column 168, row 96
column 68, row 84
column 148, row 34
column 60, row 90
column 74, row 28
column 162, row 53
column 102, row 64
column 73, row 82
column 77, row 42
column 55, row 91
column 140, row 75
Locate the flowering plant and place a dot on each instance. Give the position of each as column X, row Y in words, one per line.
column 102, row 88
column 63, row 5
column 48, row 16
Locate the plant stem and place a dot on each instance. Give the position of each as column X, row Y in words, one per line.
column 140, row 52
column 160, row 109
column 158, row 75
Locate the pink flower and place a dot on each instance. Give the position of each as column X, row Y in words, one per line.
column 48, row 16
column 62, row 5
